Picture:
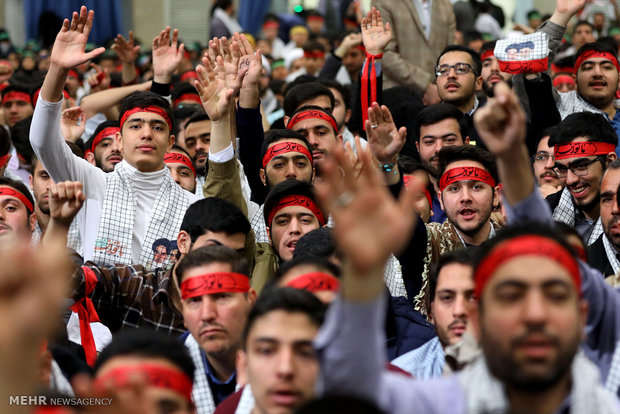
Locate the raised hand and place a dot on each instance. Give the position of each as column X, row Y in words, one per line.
column 211, row 86
column 369, row 223
column 66, row 199
column 125, row 49
column 375, row 34
column 350, row 40
column 72, row 123
column 167, row 55
column 98, row 81
column 570, row 7
column 384, row 140
column 250, row 59
column 69, row 47
column 501, row 122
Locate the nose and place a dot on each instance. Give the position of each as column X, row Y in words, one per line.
column 465, row 194
column 208, row 310
column 175, row 176
column 494, row 65
column 312, row 139
column 452, row 73
column 550, row 163
column 285, row 363
column 614, row 209
column 290, row 170
column 460, row 307
column 534, row 308
column 439, row 144
column 571, row 178
column 115, row 147
column 294, row 227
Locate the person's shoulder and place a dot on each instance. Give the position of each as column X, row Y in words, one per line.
column 230, row 404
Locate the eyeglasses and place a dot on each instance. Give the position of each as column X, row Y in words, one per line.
column 580, row 169
column 459, row 69
column 542, row 157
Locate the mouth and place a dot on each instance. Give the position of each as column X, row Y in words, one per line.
column 114, row 159
column 452, row 86
column 458, row 329
column 146, row 148
column 579, row 191
column 467, row 213
column 536, row 348
column 317, row 154
column 292, row 244
column 210, row 332
column 285, row 397
column 493, row 79
column 4, row 227
column 598, row 84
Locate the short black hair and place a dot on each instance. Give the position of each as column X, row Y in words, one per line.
column 284, row 189
column 275, row 135
column 141, row 99
column 180, row 149
column 105, row 124
column 582, row 23
column 433, row 114
column 596, row 46
column 181, row 88
column 199, row 115
column 317, row 243
column 147, row 343
column 453, row 153
column 475, row 57
column 216, row 215
column 20, row 187
column 286, row 299
column 463, row 256
column 321, row 263
column 409, row 165
column 212, row 254
column 5, row 142
column 337, row 404
column 311, row 46
column 297, row 95
column 588, row 125
column 343, row 89
column 20, row 136
column 488, row 46
column 526, row 227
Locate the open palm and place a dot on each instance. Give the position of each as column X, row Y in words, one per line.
column 69, row 47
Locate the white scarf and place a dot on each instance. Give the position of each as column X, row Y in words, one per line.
column 114, row 236
column 565, row 212
column 201, row 392
column 613, row 378
column 230, row 22
column 611, row 255
column 485, row 394
column 246, row 402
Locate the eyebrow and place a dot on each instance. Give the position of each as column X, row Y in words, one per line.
column 152, row 121
column 286, row 157
column 270, row 340
column 450, row 134
column 607, row 194
column 525, row 285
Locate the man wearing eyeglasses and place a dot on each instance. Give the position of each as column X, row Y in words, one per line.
column 543, row 163
column 458, row 77
column 583, row 146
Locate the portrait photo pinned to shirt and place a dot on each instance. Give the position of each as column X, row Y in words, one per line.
column 523, row 54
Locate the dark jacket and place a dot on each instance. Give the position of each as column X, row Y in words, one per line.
column 597, row 257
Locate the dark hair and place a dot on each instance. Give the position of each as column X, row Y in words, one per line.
column 409, row 165
column 523, row 228
column 286, row 299
column 596, row 46
column 101, row 127
column 588, row 125
column 317, row 108
column 199, row 115
column 609, row 40
column 582, row 23
column 463, row 256
column 284, row 189
column 203, row 256
column 296, row 96
column 160, row 242
column 317, row 243
column 452, row 153
column 519, row 46
column 216, row 215
column 321, row 263
column 436, row 113
column 5, row 142
column 275, row 135
column 271, row 17
column 311, row 46
column 180, row 149
column 488, row 46
column 140, row 99
column 220, row 4
column 334, row 84
column 18, row 87
column 180, row 115
column 566, row 230
column 20, row 187
column 147, row 343
column 20, row 136
column 475, row 57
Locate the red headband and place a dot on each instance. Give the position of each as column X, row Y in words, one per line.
column 408, row 180
column 315, row 18
column 73, row 74
column 590, row 54
column 465, row 173
column 487, row 54
column 309, row 114
column 284, row 147
column 557, row 69
column 317, row 54
column 177, row 157
column 315, row 282
column 188, row 97
column 269, row 25
column 211, row 283
column 10, row 191
column 153, row 109
column 563, row 79
column 191, row 74
column 156, row 375
column 3, row 160
column 297, row 200
column 16, row 96
column 104, row 133
column 527, row 245
column 582, row 149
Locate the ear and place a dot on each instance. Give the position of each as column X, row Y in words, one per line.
column 611, row 157
column 339, row 138
column 466, row 140
column 496, row 196
column 252, row 295
column 119, row 140
column 263, row 177
column 313, row 174
column 170, row 142
column 241, row 365
column 431, row 317
column 184, row 242
column 30, row 179
column 33, row 222
column 286, row 119
column 439, row 196
column 90, row 157
column 347, row 116
column 417, row 146
column 478, row 83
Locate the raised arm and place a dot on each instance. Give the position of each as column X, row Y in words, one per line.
column 167, row 56
column 104, row 100
column 127, row 52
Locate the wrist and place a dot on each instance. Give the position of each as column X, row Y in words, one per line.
column 162, row 89
column 377, row 53
column 162, row 78
column 386, row 165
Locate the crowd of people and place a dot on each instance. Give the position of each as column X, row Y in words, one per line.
column 385, row 221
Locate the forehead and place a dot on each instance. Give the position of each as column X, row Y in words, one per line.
column 199, row 127
column 543, row 144
column 455, row 276
column 443, row 127
column 322, row 101
column 283, row 326
column 312, row 123
column 455, row 57
column 610, row 181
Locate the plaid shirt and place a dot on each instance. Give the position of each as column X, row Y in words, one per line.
column 131, row 297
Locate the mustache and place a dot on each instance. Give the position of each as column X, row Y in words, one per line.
column 540, row 333
column 457, row 322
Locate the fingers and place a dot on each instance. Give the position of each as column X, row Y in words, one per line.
column 82, row 20
column 74, row 21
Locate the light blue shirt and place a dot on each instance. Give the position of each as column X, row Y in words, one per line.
column 424, row 362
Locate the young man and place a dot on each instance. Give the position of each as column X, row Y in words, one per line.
column 543, row 163
column 161, row 363
column 584, row 144
column 17, row 218
column 277, row 357
column 451, row 305
column 438, row 126
column 490, row 72
column 111, row 232
column 459, row 77
column 531, row 312
column 319, row 127
column 181, row 168
column 102, row 148
column 216, row 298
column 16, row 103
